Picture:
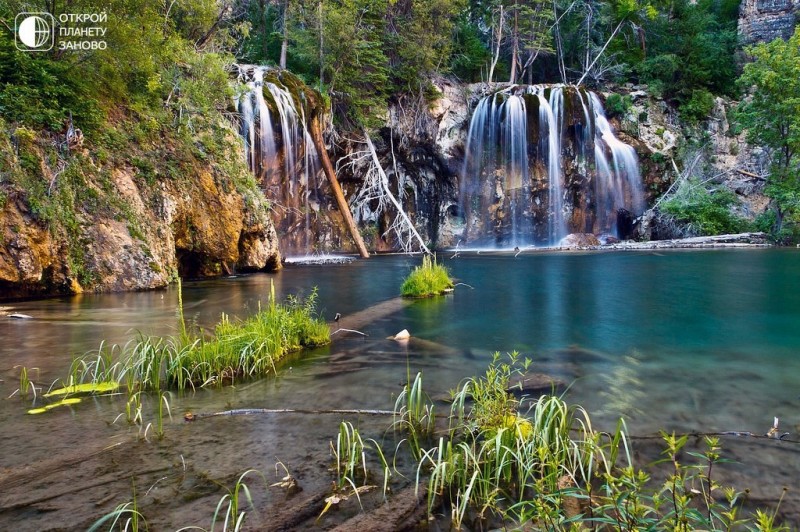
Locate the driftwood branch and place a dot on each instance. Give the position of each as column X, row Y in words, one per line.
column 751, row 174
column 350, row 331
column 254, row 411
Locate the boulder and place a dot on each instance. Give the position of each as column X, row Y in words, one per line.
column 579, row 240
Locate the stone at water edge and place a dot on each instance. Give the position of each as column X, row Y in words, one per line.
column 579, row 240
column 402, row 335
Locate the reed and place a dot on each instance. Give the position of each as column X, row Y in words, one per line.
column 414, row 415
column 235, row 350
column 500, row 463
column 125, row 517
column 230, row 505
column 349, row 455
column 26, row 385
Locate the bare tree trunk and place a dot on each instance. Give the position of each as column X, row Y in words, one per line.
column 559, row 48
column 330, row 173
column 499, row 41
column 613, row 34
column 285, row 28
column 514, row 46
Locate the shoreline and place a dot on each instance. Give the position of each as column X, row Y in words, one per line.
column 730, row 241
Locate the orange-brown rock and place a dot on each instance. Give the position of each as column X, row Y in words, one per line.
column 138, row 236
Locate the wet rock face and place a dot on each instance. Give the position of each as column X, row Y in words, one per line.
column 196, row 226
column 767, row 20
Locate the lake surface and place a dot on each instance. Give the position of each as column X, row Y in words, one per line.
column 678, row 340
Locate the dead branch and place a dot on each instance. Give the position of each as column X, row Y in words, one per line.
column 375, row 189
column 254, row 411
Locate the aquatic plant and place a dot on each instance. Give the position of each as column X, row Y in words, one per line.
column 124, row 517
column 499, row 462
column 414, row 415
column 234, row 515
column 545, row 467
column 428, row 279
column 349, row 455
column 26, row 385
column 235, row 350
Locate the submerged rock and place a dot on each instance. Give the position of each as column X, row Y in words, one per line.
column 402, row 335
column 535, row 384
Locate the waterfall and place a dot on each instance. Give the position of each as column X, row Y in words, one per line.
column 498, row 142
column 543, row 161
column 280, row 152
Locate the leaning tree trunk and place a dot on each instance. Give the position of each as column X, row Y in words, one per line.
column 330, row 173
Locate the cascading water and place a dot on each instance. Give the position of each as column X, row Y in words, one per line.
column 542, row 161
column 281, row 154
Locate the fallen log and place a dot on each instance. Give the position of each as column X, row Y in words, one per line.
column 330, row 173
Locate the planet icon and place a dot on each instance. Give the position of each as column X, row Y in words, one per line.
column 34, row 31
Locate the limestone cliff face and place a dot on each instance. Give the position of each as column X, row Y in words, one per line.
column 89, row 224
column 767, row 20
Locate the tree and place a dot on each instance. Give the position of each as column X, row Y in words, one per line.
column 771, row 116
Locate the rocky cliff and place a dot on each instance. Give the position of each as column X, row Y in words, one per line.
column 423, row 149
column 78, row 218
column 766, row 20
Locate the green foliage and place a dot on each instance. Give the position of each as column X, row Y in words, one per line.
column 469, row 54
column 771, row 116
column 705, row 210
column 698, row 106
column 247, row 349
column 419, row 41
column 617, row 105
column 428, row 279
column 497, row 462
column 689, row 54
column 414, row 415
column 549, row 469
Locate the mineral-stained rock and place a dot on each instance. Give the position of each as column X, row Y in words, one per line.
column 579, row 240
column 197, row 225
column 766, row 20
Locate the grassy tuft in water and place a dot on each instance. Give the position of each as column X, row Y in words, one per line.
column 546, row 468
column 235, row 350
column 429, row 279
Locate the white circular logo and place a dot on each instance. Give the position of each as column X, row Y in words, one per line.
column 34, row 32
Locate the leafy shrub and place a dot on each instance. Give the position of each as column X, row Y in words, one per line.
column 617, row 105
column 427, row 280
column 698, row 106
column 705, row 211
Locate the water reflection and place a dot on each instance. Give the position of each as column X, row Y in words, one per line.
column 679, row 341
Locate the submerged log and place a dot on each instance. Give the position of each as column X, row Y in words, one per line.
column 330, row 173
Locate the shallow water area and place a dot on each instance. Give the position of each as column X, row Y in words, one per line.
column 701, row 341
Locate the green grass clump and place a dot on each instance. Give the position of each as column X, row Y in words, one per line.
column 235, row 350
column 545, row 468
column 427, row 280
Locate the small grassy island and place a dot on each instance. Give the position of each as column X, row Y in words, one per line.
column 429, row 279
column 250, row 348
